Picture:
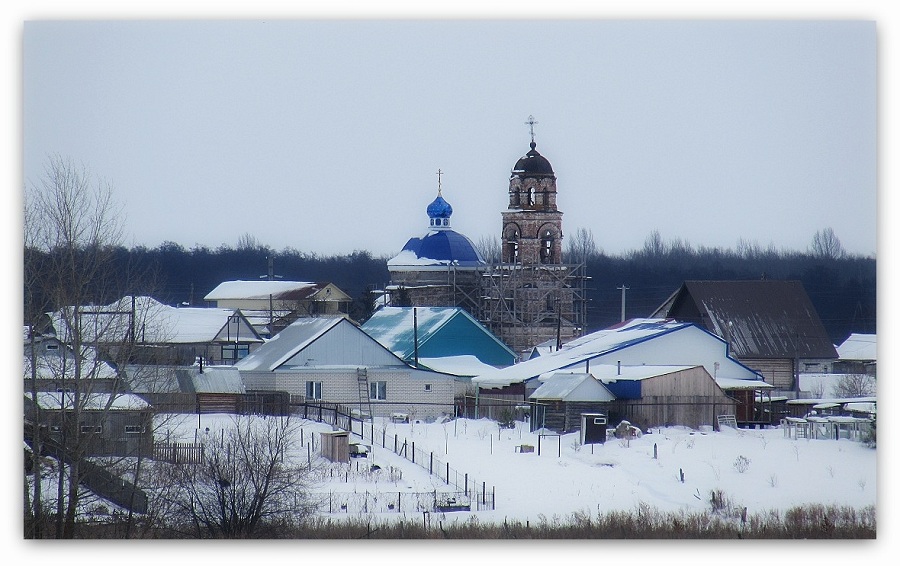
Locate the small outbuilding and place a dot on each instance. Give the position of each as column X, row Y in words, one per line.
column 336, row 446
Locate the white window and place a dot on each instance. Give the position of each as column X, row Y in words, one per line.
column 134, row 429
column 313, row 389
column 87, row 429
column 378, row 390
column 427, row 387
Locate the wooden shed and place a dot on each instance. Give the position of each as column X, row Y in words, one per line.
column 336, row 446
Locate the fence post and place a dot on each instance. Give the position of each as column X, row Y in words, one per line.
column 395, row 444
column 448, row 473
column 413, row 451
column 383, row 437
column 493, row 497
column 483, row 492
column 466, row 486
column 431, row 462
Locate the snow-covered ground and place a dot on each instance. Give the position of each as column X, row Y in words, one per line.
column 758, row 469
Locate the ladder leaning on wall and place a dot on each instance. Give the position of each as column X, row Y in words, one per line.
column 365, row 396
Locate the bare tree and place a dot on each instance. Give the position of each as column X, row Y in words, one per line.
column 248, row 241
column 826, row 245
column 580, row 246
column 72, row 229
column 854, row 385
column 247, row 482
column 489, row 248
column 654, row 245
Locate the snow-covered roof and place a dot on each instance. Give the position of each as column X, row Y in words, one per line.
column 858, row 347
column 154, row 322
column 733, row 383
column 256, row 289
column 573, row 387
column 213, row 379
column 91, row 402
column 437, row 248
column 616, row 338
column 60, row 367
column 461, row 366
column 286, row 343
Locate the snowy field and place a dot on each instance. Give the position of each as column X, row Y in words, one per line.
column 758, row 469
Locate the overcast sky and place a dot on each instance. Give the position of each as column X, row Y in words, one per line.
column 326, row 136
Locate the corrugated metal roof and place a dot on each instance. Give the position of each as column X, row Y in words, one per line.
column 397, row 328
column 759, row 318
column 287, row 343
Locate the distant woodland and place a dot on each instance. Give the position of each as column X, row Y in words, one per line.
column 841, row 286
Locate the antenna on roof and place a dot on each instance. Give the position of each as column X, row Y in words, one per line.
column 271, row 275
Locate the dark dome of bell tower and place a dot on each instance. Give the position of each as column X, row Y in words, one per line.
column 532, row 164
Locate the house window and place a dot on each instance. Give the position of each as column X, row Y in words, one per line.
column 134, row 429
column 55, row 428
column 427, row 387
column 378, row 390
column 230, row 350
column 87, row 429
column 313, row 389
column 53, row 346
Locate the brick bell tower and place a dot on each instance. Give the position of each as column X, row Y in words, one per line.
column 531, row 297
column 532, row 225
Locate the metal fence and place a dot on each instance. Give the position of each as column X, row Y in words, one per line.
column 401, row 502
column 477, row 493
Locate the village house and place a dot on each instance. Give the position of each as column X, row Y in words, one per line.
column 50, row 367
column 770, row 326
column 857, row 354
column 109, row 424
column 141, row 330
column 271, row 305
column 331, row 360
column 655, row 369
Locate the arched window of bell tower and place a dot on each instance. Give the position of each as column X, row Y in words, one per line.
column 547, row 247
column 512, row 245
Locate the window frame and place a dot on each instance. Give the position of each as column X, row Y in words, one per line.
column 312, row 388
column 378, row 390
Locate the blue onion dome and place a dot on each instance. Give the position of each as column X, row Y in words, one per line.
column 439, row 208
column 533, row 164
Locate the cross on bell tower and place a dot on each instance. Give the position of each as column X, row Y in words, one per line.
column 530, row 123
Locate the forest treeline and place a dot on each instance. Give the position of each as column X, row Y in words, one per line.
column 841, row 286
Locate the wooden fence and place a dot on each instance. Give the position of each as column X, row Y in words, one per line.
column 178, row 452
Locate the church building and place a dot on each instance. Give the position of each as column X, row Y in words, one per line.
column 529, row 298
column 532, row 297
column 442, row 268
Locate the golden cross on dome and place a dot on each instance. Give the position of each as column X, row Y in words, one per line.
column 439, row 173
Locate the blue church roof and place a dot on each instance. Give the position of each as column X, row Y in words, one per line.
column 441, row 246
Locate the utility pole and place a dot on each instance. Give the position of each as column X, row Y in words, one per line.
column 623, row 288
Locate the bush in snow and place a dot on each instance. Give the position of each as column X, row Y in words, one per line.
column 626, row 430
column 741, row 464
